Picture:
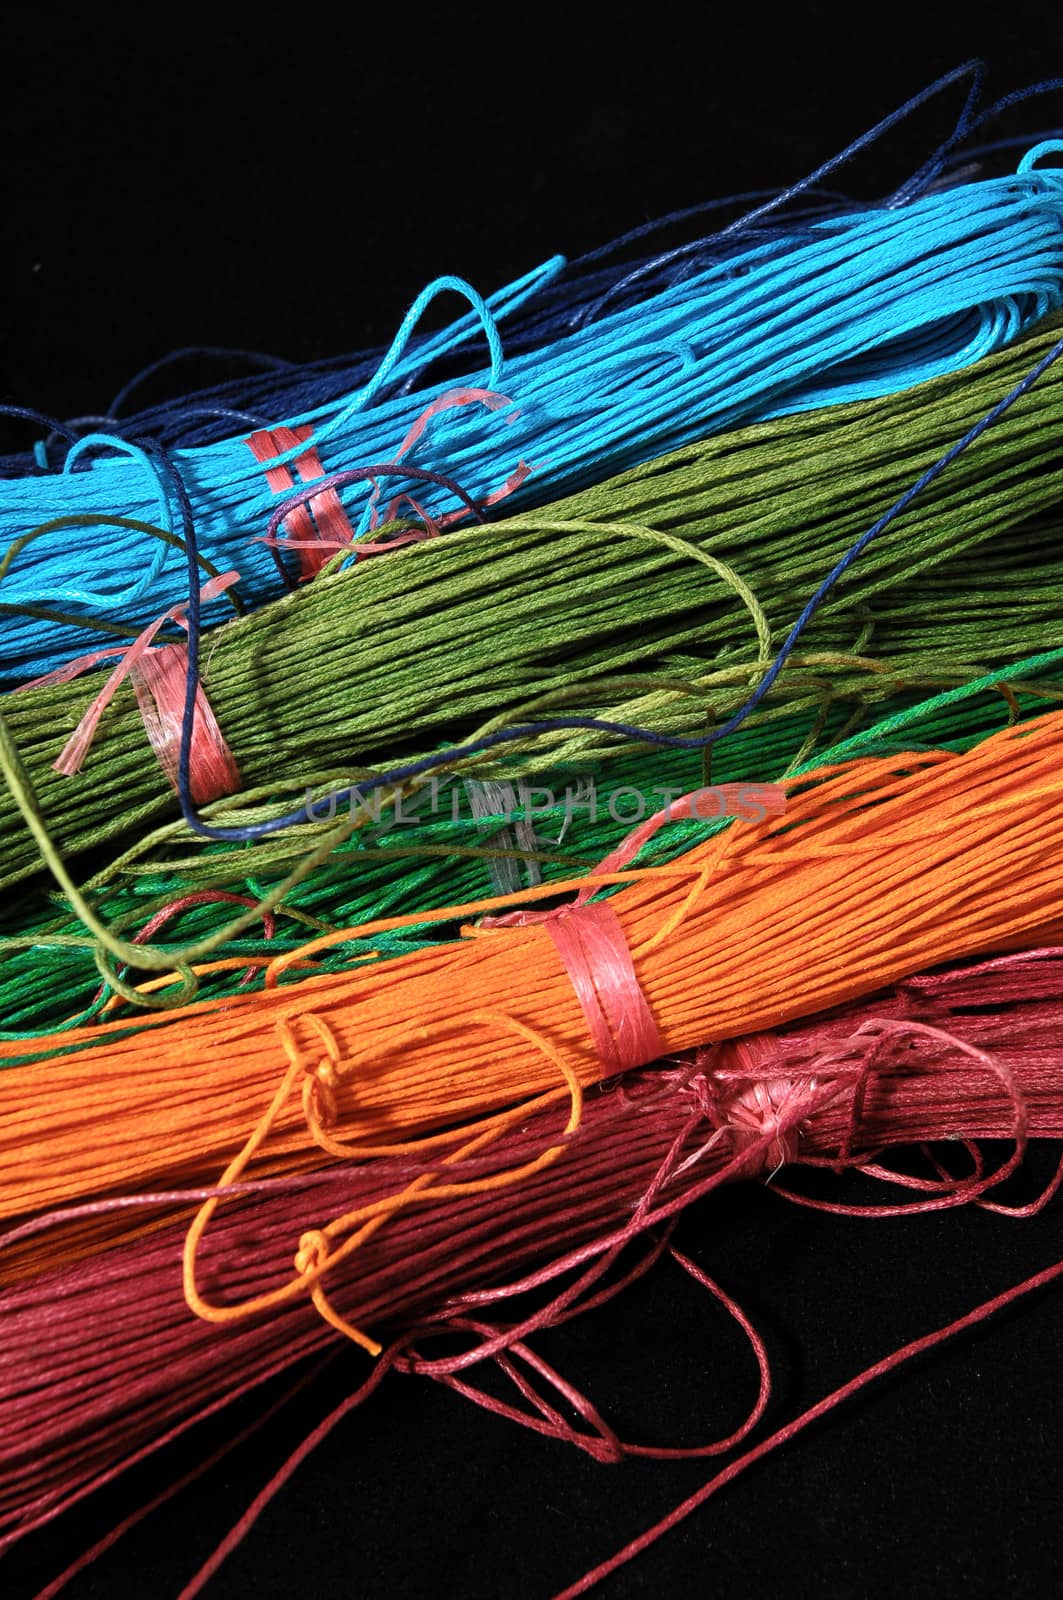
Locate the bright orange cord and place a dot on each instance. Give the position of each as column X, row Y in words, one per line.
column 877, row 869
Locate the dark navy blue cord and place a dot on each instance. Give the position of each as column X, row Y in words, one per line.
column 971, row 69
column 742, row 226
column 932, row 167
column 175, row 487
column 550, row 314
column 254, row 358
column 966, row 124
column 227, row 414
column 502, row 736
column 40, row 420
column 1017, row 97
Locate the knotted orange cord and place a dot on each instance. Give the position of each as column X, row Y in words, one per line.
column 764, row 922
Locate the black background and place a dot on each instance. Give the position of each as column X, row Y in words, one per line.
column 287, row 183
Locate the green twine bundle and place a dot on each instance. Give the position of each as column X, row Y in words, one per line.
column 635, row 601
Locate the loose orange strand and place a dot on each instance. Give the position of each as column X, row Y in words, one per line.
column 316, row 1254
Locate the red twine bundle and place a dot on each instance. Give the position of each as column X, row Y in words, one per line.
column 964, row 1054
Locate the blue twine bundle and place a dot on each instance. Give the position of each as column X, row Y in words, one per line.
column 852, row 307
column 543, row 306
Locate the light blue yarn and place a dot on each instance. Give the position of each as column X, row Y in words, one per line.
column 1047, row 147
column 112, row 599
column 847, row 308
column 407, row 327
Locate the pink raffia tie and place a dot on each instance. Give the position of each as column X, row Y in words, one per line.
column 597, row 958
column 594, row 952
column 453, row 399
column 592, row 945
column 159, row 678
column 316, row 538
column 320, row 527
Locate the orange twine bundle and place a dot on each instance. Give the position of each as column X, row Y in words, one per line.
column 879, row 867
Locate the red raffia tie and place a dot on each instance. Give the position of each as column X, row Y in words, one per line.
column 159, row 678
column 320, row 527
column 453, row 399
column 315, row 545
column 594, row 951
